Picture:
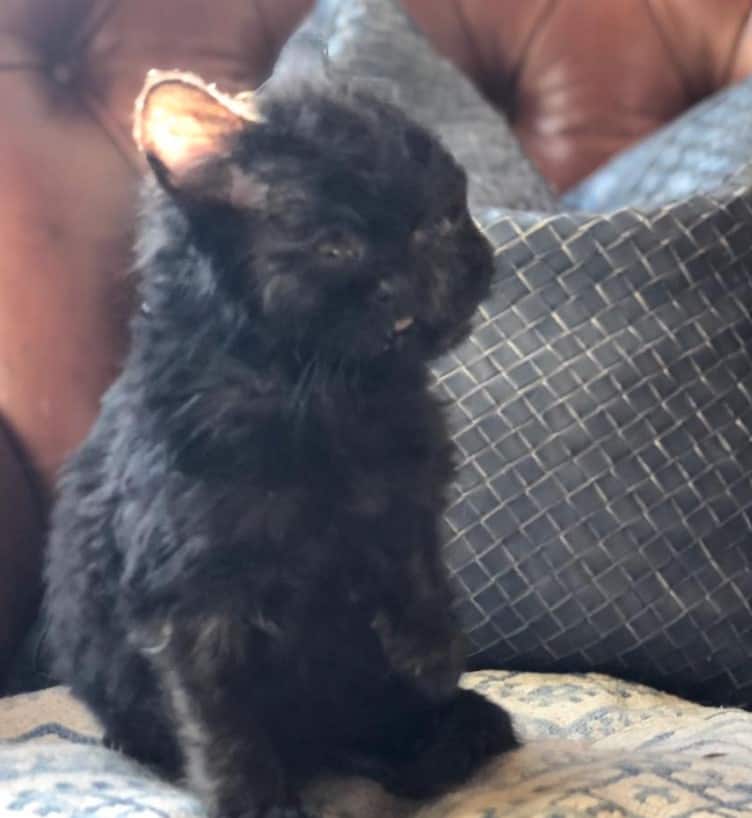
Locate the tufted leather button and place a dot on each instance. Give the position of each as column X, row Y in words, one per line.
column 61, row 73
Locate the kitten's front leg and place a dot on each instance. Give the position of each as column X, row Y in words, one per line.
column 428, row 654
column 229, row 761
column 416, row 628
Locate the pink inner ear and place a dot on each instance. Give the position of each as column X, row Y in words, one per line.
column 182, row 122
column 179, row 142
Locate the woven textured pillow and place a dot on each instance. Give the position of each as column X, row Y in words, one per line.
column 602, row 408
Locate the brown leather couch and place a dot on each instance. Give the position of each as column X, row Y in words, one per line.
column 579, row 79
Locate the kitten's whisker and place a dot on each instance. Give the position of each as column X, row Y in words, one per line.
column 356, row 376
column 302, row 393
column 305, row 388
column 301, row 385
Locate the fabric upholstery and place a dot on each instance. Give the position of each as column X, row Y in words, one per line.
column 595, row 748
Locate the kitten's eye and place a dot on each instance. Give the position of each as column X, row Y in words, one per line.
column 339, row 246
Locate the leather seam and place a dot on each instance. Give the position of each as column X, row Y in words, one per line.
column 92, row 27
column 735, row 45
column 679, row 67
column 544, row 15
column 266, row 32
column 470, row 37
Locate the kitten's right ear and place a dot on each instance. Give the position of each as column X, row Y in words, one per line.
column 181, row 124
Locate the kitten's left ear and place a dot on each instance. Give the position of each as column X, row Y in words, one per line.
column 182, row 124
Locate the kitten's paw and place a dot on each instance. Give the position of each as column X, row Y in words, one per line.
column 482, row 727
column 437, row 674
column 286, row 811
column 155, row 751
column 273, row 811
column 467, row 732
column 110, row 742
column 289, row 810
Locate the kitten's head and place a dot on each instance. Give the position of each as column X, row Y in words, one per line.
column 335, row 225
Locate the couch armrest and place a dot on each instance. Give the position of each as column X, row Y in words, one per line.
column 21, row 545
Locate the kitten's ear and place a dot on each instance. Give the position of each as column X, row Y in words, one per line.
column 182, row 124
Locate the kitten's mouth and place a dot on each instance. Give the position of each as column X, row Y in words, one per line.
column 397, row 336
column 403, row 324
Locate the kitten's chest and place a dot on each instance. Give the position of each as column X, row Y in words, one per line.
column 380, row 433
column 363, row 461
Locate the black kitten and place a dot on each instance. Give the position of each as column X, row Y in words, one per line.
column 244, row 577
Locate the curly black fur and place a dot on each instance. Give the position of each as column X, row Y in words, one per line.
column 244, row 577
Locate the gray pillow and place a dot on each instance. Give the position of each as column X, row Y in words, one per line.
column 603, row 409
column 375, row 44
column 708, row 143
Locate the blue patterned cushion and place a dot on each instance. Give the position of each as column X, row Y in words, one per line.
column 596, row 748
